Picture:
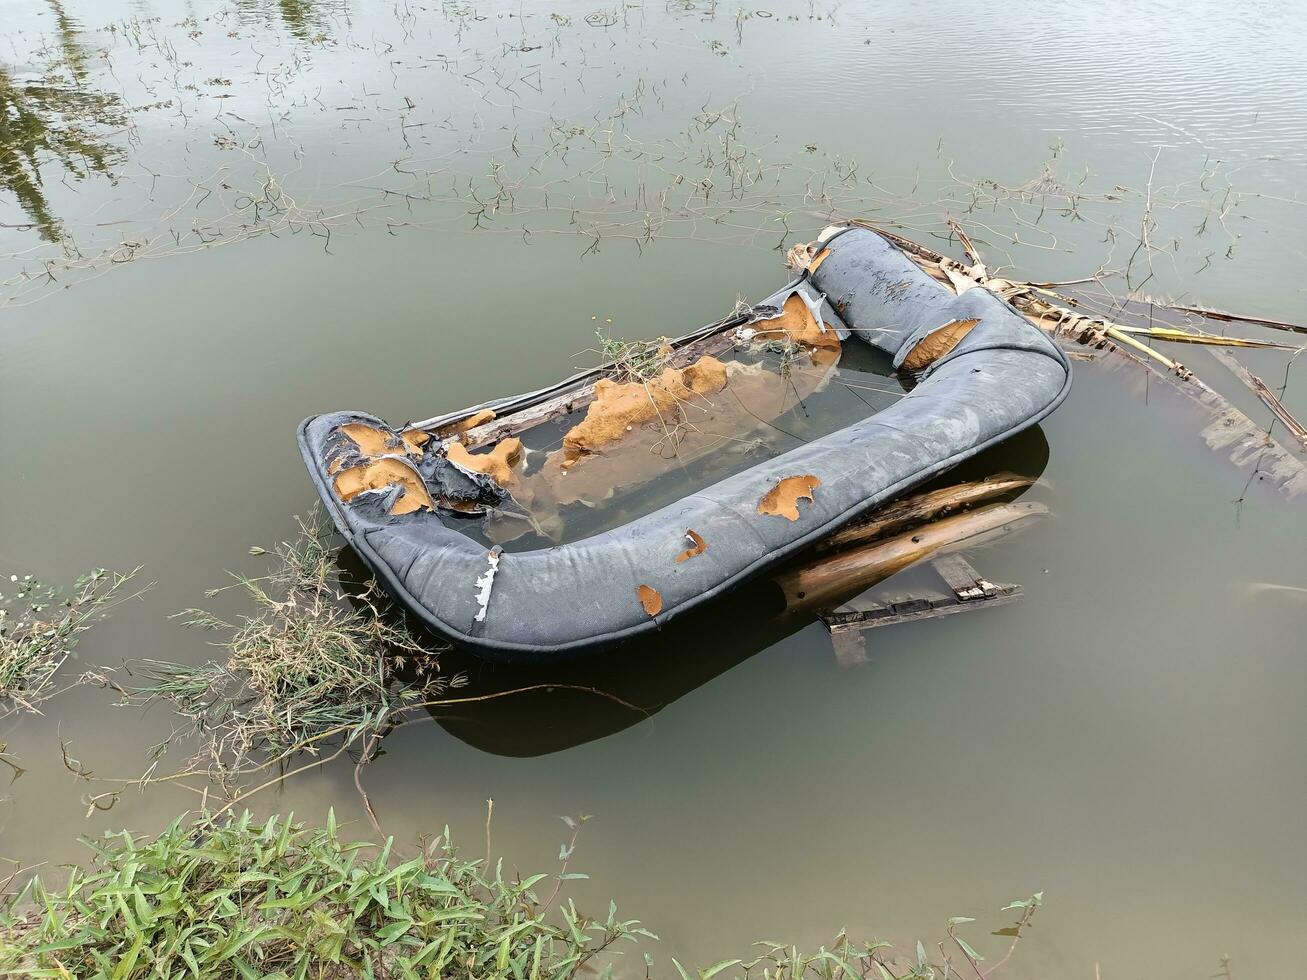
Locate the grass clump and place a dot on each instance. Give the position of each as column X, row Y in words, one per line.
column 39, row 629
column 312, row 660
column 633, row 360
column 279, row 900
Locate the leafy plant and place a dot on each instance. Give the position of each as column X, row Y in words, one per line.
column 279, row 900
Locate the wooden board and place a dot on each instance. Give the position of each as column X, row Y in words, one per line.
column 966, row 590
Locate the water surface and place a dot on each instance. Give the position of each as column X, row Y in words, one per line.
column 220, row 218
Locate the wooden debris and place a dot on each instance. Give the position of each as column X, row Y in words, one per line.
column 1206, row 339
column 826, row 580
column 711, row 341
column 967, row 590
column 919, row 508
column 964, row 580
column 1230, row 430
column 1210, row 314
column 915, row 609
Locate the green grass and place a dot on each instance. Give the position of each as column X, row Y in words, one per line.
column 633, row 360
column 311, row 659
column 279, row 900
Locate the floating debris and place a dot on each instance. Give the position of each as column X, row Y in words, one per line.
column 671, row 404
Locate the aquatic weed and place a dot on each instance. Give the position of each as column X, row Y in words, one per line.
column 315, row 658
column 39, row 631
column 632, row 360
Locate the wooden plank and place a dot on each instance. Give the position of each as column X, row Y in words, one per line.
column 920, row 508
column 959, row 576
column 915, row 610
column 823, row 582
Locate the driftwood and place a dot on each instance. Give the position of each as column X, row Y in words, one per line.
column 894, row 537
column 910, row 511
column 826, row 580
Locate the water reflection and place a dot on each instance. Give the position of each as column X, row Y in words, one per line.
column 306, row 20
column 644, row 676
column 56, row 116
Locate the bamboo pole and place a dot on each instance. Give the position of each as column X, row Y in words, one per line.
column 1210, row 339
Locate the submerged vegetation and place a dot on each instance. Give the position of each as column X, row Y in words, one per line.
column 319, row 666
column 315, row 660
column 509, row 154
column 277, row 899
column 314, row 656
column 40, row 628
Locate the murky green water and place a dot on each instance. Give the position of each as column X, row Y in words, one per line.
column 221, row 218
